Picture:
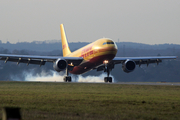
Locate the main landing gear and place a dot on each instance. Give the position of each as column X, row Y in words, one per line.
column 107, row 79
column 67, row 78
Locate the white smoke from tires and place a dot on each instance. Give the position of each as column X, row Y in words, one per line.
column 58, row 77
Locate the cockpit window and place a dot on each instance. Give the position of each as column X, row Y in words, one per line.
column 108, row 43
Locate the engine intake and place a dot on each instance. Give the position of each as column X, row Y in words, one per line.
column 128, row 66
column 60, row 65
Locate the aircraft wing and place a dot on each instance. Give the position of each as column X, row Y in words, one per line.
column 142, row 60
column 39, row 60
column 137, row 60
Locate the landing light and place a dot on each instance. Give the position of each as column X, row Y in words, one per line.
column 71, row 64
column 105, row 61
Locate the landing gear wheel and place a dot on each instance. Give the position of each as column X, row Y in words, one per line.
column 67, row 78
column 108, row 79
column 105, row 79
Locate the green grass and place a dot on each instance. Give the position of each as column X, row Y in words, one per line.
column 54, row 101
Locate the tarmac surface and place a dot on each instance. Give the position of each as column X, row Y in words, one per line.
column 128, row 83
column 149, row 83
column 137, row 83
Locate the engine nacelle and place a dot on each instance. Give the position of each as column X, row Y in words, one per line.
column 128, row 66
column 60, row 65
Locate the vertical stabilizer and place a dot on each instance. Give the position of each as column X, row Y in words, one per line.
column 65, row 46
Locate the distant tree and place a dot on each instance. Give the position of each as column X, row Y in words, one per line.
column 6, row 51
column 15, row 52
column 24, row 52
column 158, row 54
column 8, row 42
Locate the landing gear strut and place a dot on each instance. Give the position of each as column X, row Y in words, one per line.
column 107, row 79
column 67, row 78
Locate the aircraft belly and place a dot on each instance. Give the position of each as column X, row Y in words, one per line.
column 92, row 63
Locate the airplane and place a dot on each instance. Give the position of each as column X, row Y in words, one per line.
column 99, row 55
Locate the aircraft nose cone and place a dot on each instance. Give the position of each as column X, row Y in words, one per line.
column 114, row 46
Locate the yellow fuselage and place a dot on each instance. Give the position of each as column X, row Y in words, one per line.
column 94, row 54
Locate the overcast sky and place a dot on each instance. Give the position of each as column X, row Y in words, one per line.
column 143, row 21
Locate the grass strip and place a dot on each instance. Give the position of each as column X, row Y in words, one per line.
column 51, row 100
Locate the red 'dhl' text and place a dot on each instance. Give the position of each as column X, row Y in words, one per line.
column 64, row 46
column 87, row 51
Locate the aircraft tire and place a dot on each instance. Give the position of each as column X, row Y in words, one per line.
column 67, row 78
column 105, row 79
column 108, row 79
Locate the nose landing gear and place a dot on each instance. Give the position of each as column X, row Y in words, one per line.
column 108, row 79
column 107, row 69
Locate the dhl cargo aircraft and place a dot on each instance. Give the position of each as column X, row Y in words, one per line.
column 99, row 55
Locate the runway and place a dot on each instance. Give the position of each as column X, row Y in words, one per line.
column 150, row 83
column 127, row 83
column 135, row 83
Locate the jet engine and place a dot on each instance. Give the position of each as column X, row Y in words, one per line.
column 128, row 66
column 60, row 65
